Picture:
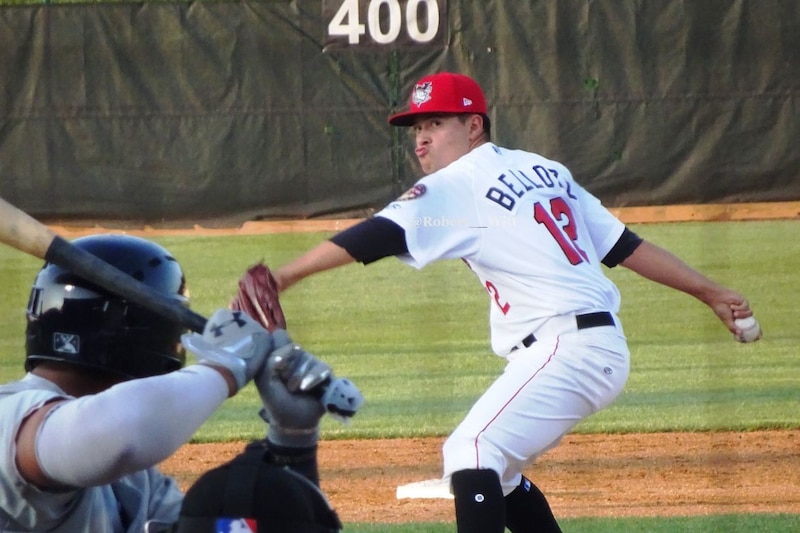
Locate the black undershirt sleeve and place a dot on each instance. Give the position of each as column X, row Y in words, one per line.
column 627, row 243
column 372, row 239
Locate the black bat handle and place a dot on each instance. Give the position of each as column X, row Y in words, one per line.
column 94, row 269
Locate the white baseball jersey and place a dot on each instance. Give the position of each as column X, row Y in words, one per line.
column 123, row 506
column 531, row 234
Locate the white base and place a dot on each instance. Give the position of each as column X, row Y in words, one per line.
column 429, row 488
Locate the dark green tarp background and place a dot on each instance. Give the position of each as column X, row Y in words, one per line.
column 223, row 112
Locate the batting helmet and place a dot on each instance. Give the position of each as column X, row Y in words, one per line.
column 74, row 321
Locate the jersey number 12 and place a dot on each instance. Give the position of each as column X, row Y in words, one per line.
column 566, row 235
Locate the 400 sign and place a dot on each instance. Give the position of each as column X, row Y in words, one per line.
column 372, row 24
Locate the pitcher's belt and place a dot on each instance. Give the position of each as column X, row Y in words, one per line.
column 585, row 321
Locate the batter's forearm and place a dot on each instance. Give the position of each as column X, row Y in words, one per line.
column 97, row 439
column 324, row 256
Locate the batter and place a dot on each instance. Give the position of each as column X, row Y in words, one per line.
column 107, row 398
column 535, row 240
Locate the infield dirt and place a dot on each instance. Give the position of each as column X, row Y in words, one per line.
column 658, row 474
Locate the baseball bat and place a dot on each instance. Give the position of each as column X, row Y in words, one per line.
column 22, row 232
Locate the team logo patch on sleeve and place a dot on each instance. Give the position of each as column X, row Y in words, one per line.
column 413, row 193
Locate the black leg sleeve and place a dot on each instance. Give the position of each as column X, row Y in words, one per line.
column 527, row 510
column 479, row 502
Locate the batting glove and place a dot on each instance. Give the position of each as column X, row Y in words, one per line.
column 296, row 389
column 233, row 340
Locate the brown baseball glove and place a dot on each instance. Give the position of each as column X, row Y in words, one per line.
column 258, row 297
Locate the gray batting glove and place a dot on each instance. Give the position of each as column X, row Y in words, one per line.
column 298, row 369
column 292, row 412
column 296, row 389
column 233, row 340
column 342, row 399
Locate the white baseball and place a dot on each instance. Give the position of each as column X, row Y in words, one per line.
column 751, row 330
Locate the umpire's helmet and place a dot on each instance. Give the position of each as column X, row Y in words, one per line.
column 250, row 493
column 77, row 322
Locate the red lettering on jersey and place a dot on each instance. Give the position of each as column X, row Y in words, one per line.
column 566, row 235
column 492, row 288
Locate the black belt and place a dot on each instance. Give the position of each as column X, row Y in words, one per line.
column 586, row 321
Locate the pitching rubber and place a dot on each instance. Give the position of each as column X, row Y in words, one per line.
column 428, row 489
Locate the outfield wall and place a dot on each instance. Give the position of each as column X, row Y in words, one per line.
column 164, row 113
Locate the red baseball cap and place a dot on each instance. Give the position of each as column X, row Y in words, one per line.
column 444, row 92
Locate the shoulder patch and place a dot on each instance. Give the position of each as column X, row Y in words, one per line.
column 413, row 193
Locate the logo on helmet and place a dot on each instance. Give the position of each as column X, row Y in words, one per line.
column 66, row 343
column 422, row 93
column 236, row 525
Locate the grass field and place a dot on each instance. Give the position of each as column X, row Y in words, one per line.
column 416, row 342
column 704, row 524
